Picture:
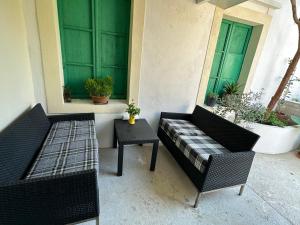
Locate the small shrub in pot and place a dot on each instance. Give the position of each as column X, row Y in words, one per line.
column 100, row 89
column 231, row 88
column 133, row 111
column 211, row 99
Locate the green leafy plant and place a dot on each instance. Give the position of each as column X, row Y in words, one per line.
column 231, row 88
column 99, row 86
column 133, row 110
column 211, row 99
column 67, row 94
column 247, row 107
column 213, row 95
column 287, row 94
column 274, row 120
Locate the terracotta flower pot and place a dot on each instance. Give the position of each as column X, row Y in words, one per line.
column 101, row 100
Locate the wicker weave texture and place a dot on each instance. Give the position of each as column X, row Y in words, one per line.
column 50, row 200
column 55, row 200
column 20, row 143
column 223, row 170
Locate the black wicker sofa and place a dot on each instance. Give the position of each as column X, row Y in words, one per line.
column 49, row 169
column 213, row 152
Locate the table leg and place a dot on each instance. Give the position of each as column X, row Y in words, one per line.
column 120, row 160
column 115, row 138
column 154, row 154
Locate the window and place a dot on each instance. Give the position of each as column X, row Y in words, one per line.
column 94, row 39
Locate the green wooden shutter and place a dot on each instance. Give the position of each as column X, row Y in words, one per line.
column 94, row 39
column 112, row 41
column 229, row 56
column 76, row 29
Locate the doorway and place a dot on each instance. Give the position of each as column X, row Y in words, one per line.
column 229, row 56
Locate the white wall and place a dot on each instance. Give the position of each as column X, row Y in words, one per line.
column 281, row 44
column 176, row 35
column 16, row 89
column 34, row 47
column 175, row 42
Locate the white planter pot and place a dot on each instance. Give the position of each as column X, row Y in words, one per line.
column 276, row 140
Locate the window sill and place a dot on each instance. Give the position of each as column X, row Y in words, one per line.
column 86, row 106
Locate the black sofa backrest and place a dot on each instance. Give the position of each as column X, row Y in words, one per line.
column 228, row 134
column 20, row 142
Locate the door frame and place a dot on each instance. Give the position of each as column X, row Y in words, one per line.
column 261, row 24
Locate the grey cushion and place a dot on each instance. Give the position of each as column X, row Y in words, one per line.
column 194, row 143
column 70, row 146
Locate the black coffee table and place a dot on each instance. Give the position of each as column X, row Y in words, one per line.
column 139, row 133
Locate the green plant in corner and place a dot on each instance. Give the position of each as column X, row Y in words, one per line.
column 211, row 99
column 274, row 120
column 132, row 110
column 213, row 95
column 67, row 94
column 100, row 89
column 231, row 88
column 245, row 106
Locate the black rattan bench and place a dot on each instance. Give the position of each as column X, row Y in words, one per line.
column 29, row 194
column 213, row 152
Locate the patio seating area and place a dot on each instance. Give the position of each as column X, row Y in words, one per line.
column 150, row 112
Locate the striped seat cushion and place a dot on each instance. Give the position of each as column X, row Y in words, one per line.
column 70, row 146
column 194, row 143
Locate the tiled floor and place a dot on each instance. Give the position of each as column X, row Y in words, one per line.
column 272, row 195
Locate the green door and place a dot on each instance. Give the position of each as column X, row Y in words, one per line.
column 94, row 40
column 229, row 56
column 112, row 42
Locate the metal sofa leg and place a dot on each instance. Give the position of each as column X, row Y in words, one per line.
column 97, row 220
column 242, row 189
column 197, row 199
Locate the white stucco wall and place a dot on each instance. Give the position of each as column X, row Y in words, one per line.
column 175, row 38
column 281, row 44
column 175, row 41
column 176, row 35
column 34, row 47
column 16, row 89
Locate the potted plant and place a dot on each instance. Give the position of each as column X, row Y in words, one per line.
column 212, row 99
column 99, row 89
column 277, row 133
column 231, row 88
column 132, row 111
column 67, row 94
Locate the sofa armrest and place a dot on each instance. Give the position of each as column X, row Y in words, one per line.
column 229, row 169
column 179, row 116
column 69, row 117
column 50, row 200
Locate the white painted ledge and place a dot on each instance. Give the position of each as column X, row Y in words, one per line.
column 87, row 106
column 225, row 4
column 273, row 4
